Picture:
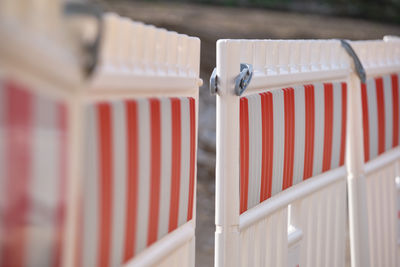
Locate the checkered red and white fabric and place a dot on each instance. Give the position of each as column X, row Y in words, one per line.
column 380, row 105
column 289, row 135
column 139, row 176
column 33, row 160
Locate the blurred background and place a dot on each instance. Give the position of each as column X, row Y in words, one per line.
column 244, row 19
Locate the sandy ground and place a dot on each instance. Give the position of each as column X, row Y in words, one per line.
column 211, row 23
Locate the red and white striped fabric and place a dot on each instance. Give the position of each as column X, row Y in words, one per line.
column 33, row 160
column 139, row 176
column 380, row 105
column 289, row 135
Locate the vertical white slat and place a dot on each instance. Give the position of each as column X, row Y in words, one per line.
column 316, row 241
column 396, row 206
column 144, row 174
column 319, row 127
column 91, row 190
column 255, row 149
column 257, row 243
column 302, row 223
column 3, row 142
column 336, row 229
column 119, row 182
column 279, row 134
column 393, row 213
column 282, row 244
column 337, row 124
column 371, row 222
column 243, row 250
column 261, row 244
column 375, row 247
column 44, row 187
column 166, row 150
column 384, row 214
column 227, row 199
column 299, row 142
column 273, row 236
column 321, row 197
column 342, row 223
column 373, row 118
column 185, row 161
column 375, row 202
column 250, row 245
column 330, row 234
column 268, row 242
column 387, row 89
column 389, row 191
column 379, row 220
column 311, row 231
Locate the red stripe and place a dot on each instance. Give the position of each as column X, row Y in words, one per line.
column 155, row 170
column 131, row 179
column 289, row 138
column 344, row 124
column 18, row 174
column 106, row 166
column 309, row 131
column 192, row 156
column 176, row 163
column 244, row 153
column 395, row 97
column 381, row 114
column 328, row 127
column 364, row 101
column 60, row 217
column 267, row 145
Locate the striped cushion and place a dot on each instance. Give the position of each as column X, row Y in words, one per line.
column 139, row 176
column 33, row 161
column 289, row 135
column 380, row 105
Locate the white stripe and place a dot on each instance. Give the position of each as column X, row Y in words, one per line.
column 44, row 184
column 300, row 133
column 255, row 149
column 279, row 133
column 90, row 190
column 373, row 118
column 319, row 127
column 337, row 124
column 144, row 174
column 185, row 161
column 387, row 94
column 166, row 150
column 119, row 182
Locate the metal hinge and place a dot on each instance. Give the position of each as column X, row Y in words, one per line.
column 241, row 81
column 357, row 63
column 214, row 82
column 91, row 49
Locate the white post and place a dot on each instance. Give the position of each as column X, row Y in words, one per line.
column 358, row 214
column 227, row 167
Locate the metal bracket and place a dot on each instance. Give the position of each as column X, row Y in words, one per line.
column 241, row 81
column 214, row 82
column 244, row 78
column 91, row 50
column 357, row 63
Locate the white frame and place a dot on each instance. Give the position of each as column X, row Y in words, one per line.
column 301, row 67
